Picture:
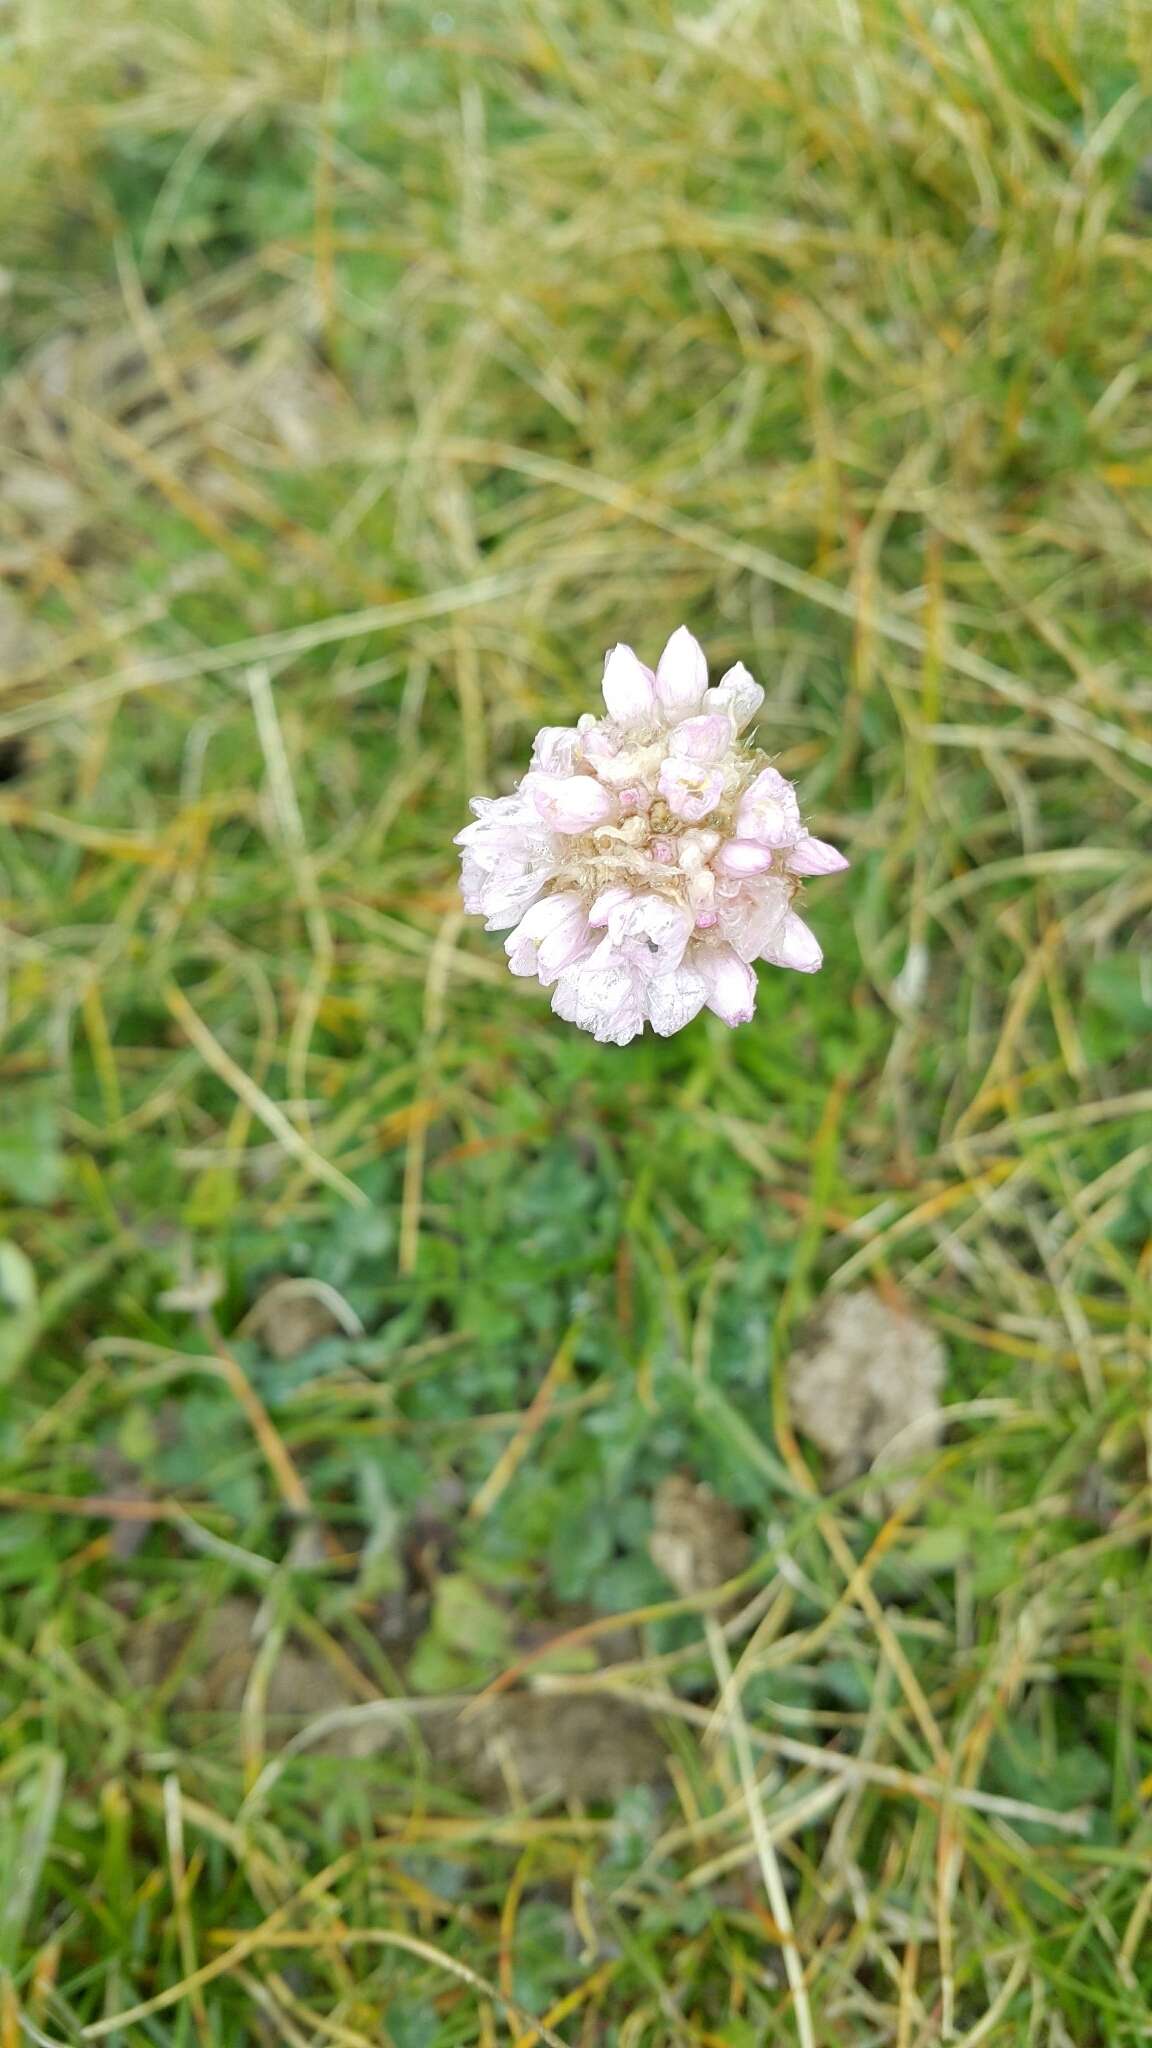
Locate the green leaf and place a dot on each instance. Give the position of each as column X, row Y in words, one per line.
column 20, row 1333
column 17, row 1279
column 1122, row 987
column 434, row 1667
column 465, row 1618
column 469, row 1638
column 31, row 1165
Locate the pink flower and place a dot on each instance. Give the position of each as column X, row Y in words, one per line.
column 552, row 933
column 556, row 750
column 729, row 982
column 649, row 931
column 571, row 803
column 702, row 739
column 629, row 693
column 650, row 857
column 794, row 946
column 607, row 1000
column 768, row 810
column 814, row 857
column 737, row 696
column 681, row 676
column 507, row 859
column 743, row 857
column 690, row 788
column 751, row 913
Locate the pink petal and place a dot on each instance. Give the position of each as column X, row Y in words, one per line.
column 738, row 695
column 795, row 946
column 606, row 902
column 752, row 916
column 744, row 857
column 729, row 982
column 502, row 898
column 681, row 676
column 815, row 857
column 769, row 811
column 555, row 749
column 572, row 941
column 499, row 820
column 549, row 937
column 649, row 931
column 674, row 999
column 570, row 803
column 599, row 744
column 606, row 1000
column 702, row 739
column 628, row 687
column 633, row 798
column 690, row 789
column 701, row 890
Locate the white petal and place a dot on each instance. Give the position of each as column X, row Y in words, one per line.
column 794, row 946
column 628, row 687
column 738, row 695
column 570, row 803
column 701, row 739
column 729, row 982
column 744, row 857
column 815, row 857
column 681, row 676
column 674, row 999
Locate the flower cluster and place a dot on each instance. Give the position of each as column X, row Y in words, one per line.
column 649, row 857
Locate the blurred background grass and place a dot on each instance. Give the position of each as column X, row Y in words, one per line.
column 367, row 370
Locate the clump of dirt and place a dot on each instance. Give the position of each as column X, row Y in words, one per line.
column 545, row 1748
column 698, row 1540
column 292, row 1315
column 206, row 1666
column 864, row 1383
column 550, row 1748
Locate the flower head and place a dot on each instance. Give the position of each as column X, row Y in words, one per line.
column 648, row 857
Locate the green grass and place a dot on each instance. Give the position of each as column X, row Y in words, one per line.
column 367, row 371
